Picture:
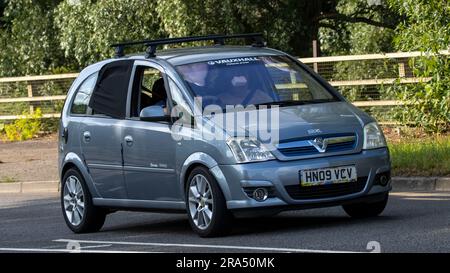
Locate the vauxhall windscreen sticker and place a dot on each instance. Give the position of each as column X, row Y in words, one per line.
column 234, row 61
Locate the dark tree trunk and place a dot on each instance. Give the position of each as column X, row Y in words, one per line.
column 306, row 28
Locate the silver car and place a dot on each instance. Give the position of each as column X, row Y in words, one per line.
column 216, row 132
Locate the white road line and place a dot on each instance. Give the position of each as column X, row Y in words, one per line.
column 29, row 250
column 271, row 249
column 420, row 194
column 95, row 246
column 427, row 199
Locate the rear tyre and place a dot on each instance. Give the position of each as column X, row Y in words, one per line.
column 206, row 205
column 364, row 210
column 80, row 214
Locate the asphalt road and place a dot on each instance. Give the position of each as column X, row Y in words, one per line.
column 412, row 222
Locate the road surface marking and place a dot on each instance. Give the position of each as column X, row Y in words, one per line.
column 5, row 249
column 420, row 194
column 427, row 199
column 207, row 246
column 95, row 246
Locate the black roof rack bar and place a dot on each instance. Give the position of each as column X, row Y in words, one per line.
column 218, row 39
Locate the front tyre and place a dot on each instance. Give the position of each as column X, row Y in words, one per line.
column 80, row 214
column 206, row 205
column 364, row 210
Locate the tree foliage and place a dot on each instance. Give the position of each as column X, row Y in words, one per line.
column 290, row 25
column 42, row 36
column 427, row 29
column 347, row 37
column 88, row 28
column 27, row 37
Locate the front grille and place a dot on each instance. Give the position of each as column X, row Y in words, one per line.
column 308, row 149
column 326, row 191
column 299, row 151
column 343, row 146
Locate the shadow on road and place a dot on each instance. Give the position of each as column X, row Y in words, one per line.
column 292, row 221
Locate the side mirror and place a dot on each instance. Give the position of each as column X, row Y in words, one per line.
column 154, row 113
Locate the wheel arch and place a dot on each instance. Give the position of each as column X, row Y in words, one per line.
column 205, row 160
column 72, row 160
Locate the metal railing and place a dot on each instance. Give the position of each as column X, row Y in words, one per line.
column 361, row 78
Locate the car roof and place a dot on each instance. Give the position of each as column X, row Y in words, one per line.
column 179, row 56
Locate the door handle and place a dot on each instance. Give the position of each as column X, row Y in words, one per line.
column 129, row 140
column 87, row 136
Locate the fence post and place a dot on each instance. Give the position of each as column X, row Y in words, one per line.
column 401, row 70
column 30, row 95
column 314, row 45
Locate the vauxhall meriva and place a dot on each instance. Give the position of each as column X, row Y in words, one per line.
column 217, row 132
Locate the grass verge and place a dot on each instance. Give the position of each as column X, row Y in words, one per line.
column 427, row 156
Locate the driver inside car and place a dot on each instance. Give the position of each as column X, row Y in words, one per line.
column 195, row 75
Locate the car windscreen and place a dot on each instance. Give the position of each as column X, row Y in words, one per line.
column 259, row 80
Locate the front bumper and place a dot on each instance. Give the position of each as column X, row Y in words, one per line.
column 279, row 175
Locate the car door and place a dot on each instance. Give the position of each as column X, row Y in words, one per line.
column 149, row 149
column 101, row 131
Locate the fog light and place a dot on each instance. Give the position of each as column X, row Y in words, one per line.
column 384, row 180
column 260, row 194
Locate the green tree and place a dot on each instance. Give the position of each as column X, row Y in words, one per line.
column 40, row 36
column 342, row 38
column 427, row 29
column 290, row 25
column 87, row 28
column 27, row 37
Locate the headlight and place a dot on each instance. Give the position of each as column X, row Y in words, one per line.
column 249, row 150
column 373, row 137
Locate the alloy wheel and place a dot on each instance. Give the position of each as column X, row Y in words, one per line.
column 200, row 201
column 73, row 200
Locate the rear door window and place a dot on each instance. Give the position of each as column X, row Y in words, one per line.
column 110, row 93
